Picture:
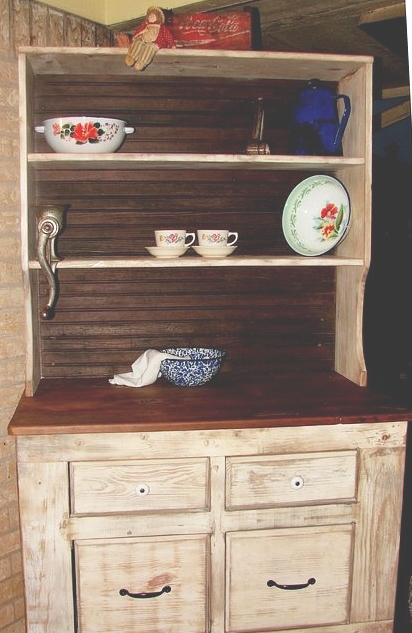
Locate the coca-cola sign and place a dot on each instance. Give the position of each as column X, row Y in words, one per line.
column 230, row 31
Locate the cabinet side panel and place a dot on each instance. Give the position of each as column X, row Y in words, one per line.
column 28, row 230
column 349, row 357
column 377, row 534
column 357, row 138
column 43, row 498
column 357, row 141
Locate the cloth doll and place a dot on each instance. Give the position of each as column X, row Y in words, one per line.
column 148, row 38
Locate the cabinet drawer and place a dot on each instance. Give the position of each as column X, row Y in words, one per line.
column 140, row 486
column 141, row 585
column 296, row 479
column 279, row 579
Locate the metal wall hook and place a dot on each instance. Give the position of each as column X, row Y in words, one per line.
column 50, row 219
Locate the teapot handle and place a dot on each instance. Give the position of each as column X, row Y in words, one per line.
column 343, row 122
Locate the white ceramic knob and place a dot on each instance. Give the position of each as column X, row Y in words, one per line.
column 142, row 490
column 297, row 483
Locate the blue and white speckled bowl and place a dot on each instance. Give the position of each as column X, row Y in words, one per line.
column 202, row 365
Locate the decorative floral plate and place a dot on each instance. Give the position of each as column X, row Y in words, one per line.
column 316, row 215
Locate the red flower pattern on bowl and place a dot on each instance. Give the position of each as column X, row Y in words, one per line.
column 84, row 134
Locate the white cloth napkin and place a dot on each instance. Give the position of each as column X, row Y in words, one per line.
column 145, row 370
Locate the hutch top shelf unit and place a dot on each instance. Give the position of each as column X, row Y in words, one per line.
column 186, row 164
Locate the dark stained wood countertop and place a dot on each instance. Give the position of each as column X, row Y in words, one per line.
column 229, row 401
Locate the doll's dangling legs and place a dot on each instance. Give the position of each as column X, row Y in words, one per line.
column 146, row 56
column 140, row 54
column 133, row 51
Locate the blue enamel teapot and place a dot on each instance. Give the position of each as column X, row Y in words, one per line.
column 316, row 129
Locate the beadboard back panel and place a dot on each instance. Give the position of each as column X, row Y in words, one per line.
column 104, row 319
column 199, row 116
column 264, row 318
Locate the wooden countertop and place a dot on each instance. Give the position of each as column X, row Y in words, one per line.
column 229, row 401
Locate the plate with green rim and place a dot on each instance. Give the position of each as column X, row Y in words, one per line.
column 316, row 215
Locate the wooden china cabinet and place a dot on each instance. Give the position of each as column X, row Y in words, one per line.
column 268, row 499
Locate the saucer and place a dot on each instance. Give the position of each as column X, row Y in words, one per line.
column 214, row 251
column 166, row 252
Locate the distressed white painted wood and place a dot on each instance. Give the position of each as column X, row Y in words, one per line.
column 199, row 262
column 292, row 480
column 350, row 536
column 310, row 566
column 44, row 502
column 140, row 486
column 174, row 569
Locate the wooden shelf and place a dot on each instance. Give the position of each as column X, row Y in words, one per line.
column 189, row 161
column 192, row 63
column 199, row 262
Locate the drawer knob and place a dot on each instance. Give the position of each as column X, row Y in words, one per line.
column 273, row 583
column 142, row 490
column 143, row 594
column 297, row 483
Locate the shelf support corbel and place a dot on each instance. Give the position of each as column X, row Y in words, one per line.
column 50, row 219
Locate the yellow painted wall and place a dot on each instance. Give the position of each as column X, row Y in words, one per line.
column 108, row 12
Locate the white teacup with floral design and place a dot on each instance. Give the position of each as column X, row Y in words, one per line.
column 216, row 237
column 174, row 237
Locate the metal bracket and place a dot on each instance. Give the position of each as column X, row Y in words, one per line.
column 50, row 220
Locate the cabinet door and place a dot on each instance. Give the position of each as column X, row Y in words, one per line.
column 288, row 578
column 140, row 585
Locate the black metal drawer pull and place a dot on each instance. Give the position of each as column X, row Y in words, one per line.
column 150, row 594
column 272, row 583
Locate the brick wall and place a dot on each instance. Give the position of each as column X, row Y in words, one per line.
column 22, row 22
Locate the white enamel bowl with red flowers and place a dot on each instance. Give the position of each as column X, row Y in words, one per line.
column 84, row 134
column 316, row 215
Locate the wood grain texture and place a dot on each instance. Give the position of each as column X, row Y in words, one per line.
column 44, row 501
column 268, row 481
column 143, row 565
column 291, row 558
column 233, row 401
column 218, row 555
column 108, row 487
